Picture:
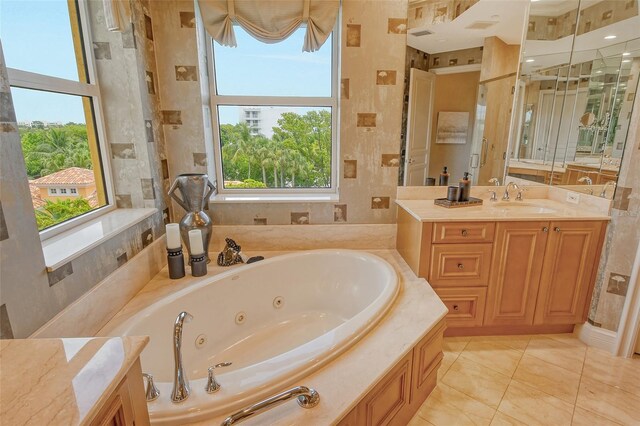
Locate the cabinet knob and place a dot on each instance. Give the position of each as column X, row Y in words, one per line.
column 464, row 233
column 556, row 229
column 460, row 266
column 456, row 308
column 545, row 229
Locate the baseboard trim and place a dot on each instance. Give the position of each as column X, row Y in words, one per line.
column 501, row 330
column 596, row 337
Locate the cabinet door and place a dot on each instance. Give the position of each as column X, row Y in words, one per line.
column 569, row 270
column 386, row 404
column 518, row 254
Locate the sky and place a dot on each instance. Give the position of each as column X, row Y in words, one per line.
column 36, row 37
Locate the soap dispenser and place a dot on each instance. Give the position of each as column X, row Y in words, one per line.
column 465, row 187
column 444, row 177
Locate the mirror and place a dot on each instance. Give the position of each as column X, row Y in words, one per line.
column 462, row 60
column 578, row 77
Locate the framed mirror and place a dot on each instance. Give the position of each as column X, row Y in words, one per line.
column 578, row 77
column 461, row 70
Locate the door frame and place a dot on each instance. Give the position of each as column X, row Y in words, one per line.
column 629, row 328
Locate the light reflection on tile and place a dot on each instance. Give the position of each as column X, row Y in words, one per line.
column 546, row 389
column 533, row 407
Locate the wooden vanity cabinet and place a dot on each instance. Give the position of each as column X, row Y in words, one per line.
column 507, row 276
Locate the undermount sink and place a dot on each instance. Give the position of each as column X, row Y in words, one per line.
column 521, row 206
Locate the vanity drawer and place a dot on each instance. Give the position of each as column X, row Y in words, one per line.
column 460, row 265
column 463, row 232
column 465, row 304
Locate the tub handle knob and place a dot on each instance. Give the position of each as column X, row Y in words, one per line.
column 212, row 384
column 151, row 392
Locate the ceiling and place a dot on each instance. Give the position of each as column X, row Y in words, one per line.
column 505, row 19
column 589, row 46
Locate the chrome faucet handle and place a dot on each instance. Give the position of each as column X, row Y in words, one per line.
column 494, row 196
column 151, row 392
column 212, row 384
column 519, row 196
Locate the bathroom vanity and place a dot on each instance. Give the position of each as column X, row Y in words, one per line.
column 80, row 381
column 505, row 267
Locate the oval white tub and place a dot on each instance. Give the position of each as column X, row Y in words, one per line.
column 330, row 299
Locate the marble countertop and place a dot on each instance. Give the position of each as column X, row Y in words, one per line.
column 529, row 209
column 62, row 381
column 343, row 382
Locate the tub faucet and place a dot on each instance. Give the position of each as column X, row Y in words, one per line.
column 611, row 183
column 505, row 197
column 181, row 389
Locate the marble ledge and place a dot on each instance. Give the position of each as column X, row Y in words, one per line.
column 62, row 381
column 343, row 382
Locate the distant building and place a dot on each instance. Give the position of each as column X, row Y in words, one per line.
column 65, row 184
column 262, row 119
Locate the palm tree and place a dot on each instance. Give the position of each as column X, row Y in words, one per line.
column 57, row 150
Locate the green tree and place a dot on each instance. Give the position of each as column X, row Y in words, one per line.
column 55, row 212
column 297, row 155
column 49, row 150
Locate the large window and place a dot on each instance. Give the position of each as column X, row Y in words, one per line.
column 56, row 100
column 276, row 113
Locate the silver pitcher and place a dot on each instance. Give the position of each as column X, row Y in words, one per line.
column 195, row 190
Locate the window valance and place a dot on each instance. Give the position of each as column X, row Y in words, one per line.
column 270, row 21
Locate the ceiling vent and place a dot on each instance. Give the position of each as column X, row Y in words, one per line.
column 421, row 33
column 481, row 25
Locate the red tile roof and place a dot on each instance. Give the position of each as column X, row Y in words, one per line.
column 36, row 199
column 71, row 176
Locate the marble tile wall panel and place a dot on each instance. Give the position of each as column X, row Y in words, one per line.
column 375, row 97
column 30, row 296
column 623, row 235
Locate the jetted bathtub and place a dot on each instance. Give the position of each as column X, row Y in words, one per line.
column 276, row 320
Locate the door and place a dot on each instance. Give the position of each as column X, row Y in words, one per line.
column 497, row 121
column 568, row 272
column 421, row 90
column 518, row 256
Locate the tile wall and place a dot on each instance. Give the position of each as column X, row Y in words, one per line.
column 373, row 60
column 29, row 295
column 623, row 236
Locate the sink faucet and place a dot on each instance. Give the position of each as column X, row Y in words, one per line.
column 495, row 181
column 587, row 180
column 505, row 197
column 181, row 389
column 611, row 183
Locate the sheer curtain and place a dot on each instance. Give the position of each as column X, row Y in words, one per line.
column 270, row 21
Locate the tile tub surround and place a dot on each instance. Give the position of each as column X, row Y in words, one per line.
column 95, row 308
column 345, row 380
column 62, row 381
column 294, row 237
column 531, row 380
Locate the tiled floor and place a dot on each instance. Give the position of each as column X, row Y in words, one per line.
column 549, row 380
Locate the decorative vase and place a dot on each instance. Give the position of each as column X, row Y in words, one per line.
column 195, row 190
